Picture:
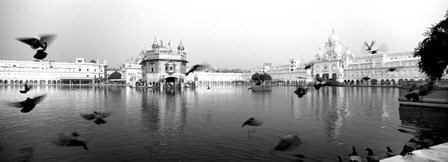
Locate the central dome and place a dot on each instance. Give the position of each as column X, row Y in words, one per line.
column 333, row 38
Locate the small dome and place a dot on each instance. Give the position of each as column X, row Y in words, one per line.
column 338, row 50
column 333, row 38
column 348, row 52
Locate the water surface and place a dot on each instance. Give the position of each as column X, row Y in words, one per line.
column 205, row 125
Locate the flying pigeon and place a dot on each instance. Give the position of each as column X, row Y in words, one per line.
column 40, row 44
column 28, row 104
column 196, row 68
column 98, row 117
column 287, row 143
column 71, row 140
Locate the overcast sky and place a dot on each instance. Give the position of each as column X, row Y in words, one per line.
column 224, row 33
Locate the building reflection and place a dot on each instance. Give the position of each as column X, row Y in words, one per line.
column 165, row 115
column 332, row 106
column 424, row 122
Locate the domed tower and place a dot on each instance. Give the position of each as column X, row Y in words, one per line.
column 155, row 45
column 180, row 47
column 319, row 55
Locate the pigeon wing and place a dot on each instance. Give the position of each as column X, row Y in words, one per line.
column 49, row 38
column 104, row 114
column 17, row 104
column 38, row 99
column 202, row 67
column 33, row 42
column 88, row 116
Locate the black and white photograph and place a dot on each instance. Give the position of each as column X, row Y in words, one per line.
column 223, row 80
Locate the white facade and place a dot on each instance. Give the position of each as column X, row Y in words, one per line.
column 338, row 62
column 164, row 64
column 214, row 78
column 51, row 72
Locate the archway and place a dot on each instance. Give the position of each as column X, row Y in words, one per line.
column 387, row 82
column 357, row 82
column 374, row 82
column 393, row 82
column 171, row 81
column 333, row 76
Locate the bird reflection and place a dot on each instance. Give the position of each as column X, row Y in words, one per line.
column 73, row 139
column 28, row 104
column 26, row 154
column 97, row 117
column 40, row 44
column 27, row 88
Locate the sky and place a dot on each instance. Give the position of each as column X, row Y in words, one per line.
column 224, row 33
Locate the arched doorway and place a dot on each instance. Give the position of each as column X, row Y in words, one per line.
column 171, row 81
column 374, row 82
column 333, row 76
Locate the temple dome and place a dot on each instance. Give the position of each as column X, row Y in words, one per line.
column 333, row 38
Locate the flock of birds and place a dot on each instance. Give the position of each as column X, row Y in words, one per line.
column 72, row 139
column 286, row 143
column 291, row 142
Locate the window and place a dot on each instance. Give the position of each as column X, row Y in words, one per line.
column 79, row 69
column 87, row 75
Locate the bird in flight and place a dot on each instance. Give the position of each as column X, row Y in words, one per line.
column 28, row 104
column 98, row 117
column 287, row 143
column 197, row 67
column 27, row 88
column 391, row 69
column 71, row 140
column 301, row 90
column 40, row 44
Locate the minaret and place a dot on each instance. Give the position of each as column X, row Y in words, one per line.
column 180, row 48
column 154, row 44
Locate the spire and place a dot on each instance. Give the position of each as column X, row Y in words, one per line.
column 180, row 47
column 333, row 31
column 154, row 44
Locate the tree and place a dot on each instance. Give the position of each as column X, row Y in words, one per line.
column 115, row 75
column 433, row 50
column 92, row 61
column 260, row 78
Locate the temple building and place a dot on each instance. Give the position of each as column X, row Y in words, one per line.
column 330, row 63
column 339, row 63
column 164, row 65
column 132, row 69
column 51, row 72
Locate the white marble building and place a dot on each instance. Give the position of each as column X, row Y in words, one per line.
column 51, row 72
